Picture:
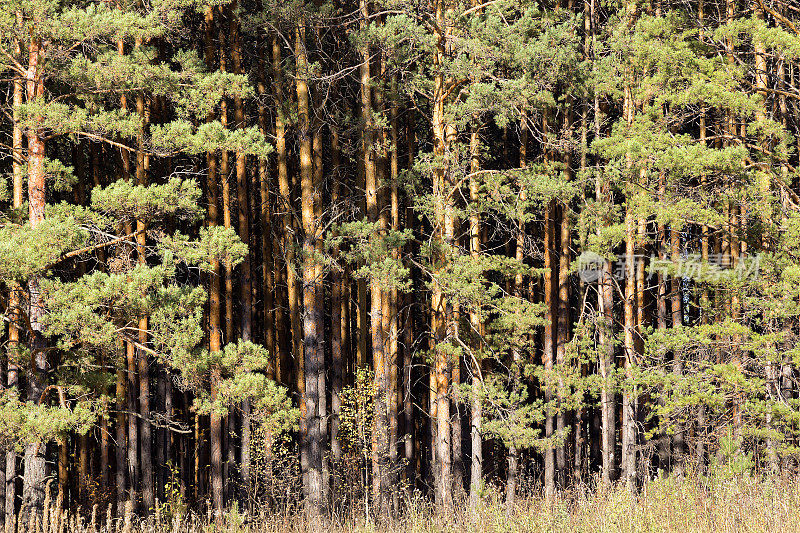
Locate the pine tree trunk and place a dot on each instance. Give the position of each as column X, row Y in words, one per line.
column 679, row 440
column 311, row 313
column 124, row 396
column 104, row 445
column 704, row 249
column 268, row 265
column 563, row 302
column 15, row 296
column 765, row 209
column 518, row 288
column 628, row 415
column 245, row 281
column 605, row 306
column 393, row 313
column 410, row 436
column 628, row 458
column 35, row 468
column 664, row 439
column 317, row 181
column 286, row 205
column 127, row 451
column 145, row 434
column 441, row 310
column 338, row 324
column 287, row 201
column 121, row 440
column 550, row 300
column 547, row 353
column 380, row 442
column 476, row 323
column 215, row 296
column 84, row 477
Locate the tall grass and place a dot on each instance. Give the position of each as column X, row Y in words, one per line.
column 692, row 504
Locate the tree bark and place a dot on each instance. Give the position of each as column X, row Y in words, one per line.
column 393, row 328
column 311, row 313
column 145, row 433
column 338, row 324
column 245, row 281
column 476, row 323
column 442, row 326
column 15, row 297
column 35, row 468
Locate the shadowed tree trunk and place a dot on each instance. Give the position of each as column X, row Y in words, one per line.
column 15, row 296
column 245, row 281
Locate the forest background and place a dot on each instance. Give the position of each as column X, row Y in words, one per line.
column 335, row 255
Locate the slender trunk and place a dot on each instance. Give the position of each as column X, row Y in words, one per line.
column 287, row 203
column 145, row 434
column 311, row 312
column 317, row 182
column 476, row 324
column 550, row 301
column 165, row 435
column 664, row 440
column 15, row 296
column 215, row 294
column 268, row 264
column 224, row 174
column 408, row 406
column 518, row 288
column 679, row 440
column 120, row 439
column 338, row 324
column 628, row 415
column 127, row 441
column 380, row 442
column 563, row 303
column 270, row 320
column 441, row 309
column 245, row 281
column 765, row 209
column 628, row 458
column 547, row 353
column 702, row 428
column 35, row 468
column 367, row 173
column 393, row 313
column 84, row 476
column 605, row 305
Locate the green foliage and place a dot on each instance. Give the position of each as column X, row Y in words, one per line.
column 26, row 421
column 731, row 461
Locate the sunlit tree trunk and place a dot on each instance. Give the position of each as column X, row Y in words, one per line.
column 35, row 467
column 311, row 313
column 548, row 350
column 562, row 335
column 476, row 324
column 408, row 336
column 393, row 314
column 628, row 457
column 441, row 309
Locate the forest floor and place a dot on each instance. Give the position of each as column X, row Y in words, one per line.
column 692, row 504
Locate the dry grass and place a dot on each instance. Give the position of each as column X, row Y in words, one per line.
column 689, row 505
